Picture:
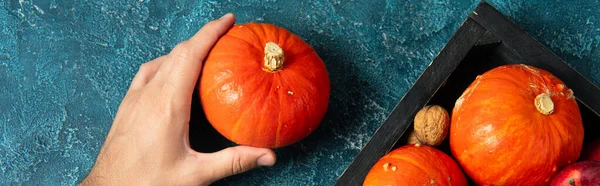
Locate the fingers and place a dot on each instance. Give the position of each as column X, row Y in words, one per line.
column 146, row 72
column 233, row 160
column 185, row 60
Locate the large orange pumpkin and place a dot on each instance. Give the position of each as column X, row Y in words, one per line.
column 263, row 86
column 515, row 125
column 415, row 165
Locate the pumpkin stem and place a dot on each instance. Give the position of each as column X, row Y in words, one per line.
column 273, row 57
column 543, row 103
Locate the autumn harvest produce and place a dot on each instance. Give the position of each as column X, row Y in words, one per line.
column 415, row 165
column 264, row 86
column 515, row 125
column 578, row 174
column 431, row 125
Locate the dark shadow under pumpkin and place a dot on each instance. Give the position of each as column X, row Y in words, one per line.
column 203, row 137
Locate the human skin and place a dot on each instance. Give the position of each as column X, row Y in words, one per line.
column 148, row 142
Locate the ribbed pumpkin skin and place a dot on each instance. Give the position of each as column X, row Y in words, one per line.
column 250, row 106
column 415, row 165
column 499, row 137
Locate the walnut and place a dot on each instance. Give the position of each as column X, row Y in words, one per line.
column 431, row 125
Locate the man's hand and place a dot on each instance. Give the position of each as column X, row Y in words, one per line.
column 148, row 142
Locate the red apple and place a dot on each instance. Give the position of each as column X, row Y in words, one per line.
column 580, row 173
column 591, row 151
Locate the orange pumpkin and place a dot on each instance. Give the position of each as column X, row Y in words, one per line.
column 263, row 86
column 515, row 125
column 415, row 165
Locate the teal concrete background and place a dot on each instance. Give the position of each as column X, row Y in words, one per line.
column 65, row 66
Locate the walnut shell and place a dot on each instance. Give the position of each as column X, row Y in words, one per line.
column 431, row 125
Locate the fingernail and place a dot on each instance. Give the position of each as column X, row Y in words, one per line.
column 265, row 160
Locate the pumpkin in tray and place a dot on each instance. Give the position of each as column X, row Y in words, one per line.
column 415, row 164
column 515, row 125
column 263, row 86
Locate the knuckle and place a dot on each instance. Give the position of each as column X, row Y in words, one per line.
column 181, row 51
column 237, row 166
column 144, row 67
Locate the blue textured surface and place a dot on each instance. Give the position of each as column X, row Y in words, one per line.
column 65, row 66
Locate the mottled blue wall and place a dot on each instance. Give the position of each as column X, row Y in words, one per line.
column 65, row 66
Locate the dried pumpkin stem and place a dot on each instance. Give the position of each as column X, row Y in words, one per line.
column 273, row 57
column 543, row 103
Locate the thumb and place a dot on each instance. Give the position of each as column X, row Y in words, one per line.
column 235, row 160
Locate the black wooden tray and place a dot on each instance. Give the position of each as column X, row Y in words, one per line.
column 485, row 40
